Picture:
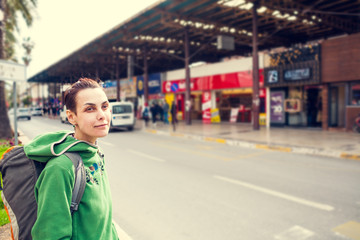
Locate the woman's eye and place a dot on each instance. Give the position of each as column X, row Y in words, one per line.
column 105, row 107
column 89, row 109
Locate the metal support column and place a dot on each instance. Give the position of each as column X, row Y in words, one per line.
column 130, row 66
column 187, row 80
column 117, row 77
column 255, row 95
column 146, row 77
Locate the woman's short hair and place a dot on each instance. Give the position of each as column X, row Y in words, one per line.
column 72, row 91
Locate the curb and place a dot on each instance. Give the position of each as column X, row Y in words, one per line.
column 280, row 148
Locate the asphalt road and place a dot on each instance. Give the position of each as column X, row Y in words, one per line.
column 169, row 188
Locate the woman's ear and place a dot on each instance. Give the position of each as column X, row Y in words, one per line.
column 71, row 116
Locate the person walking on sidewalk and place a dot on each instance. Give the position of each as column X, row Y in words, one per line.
column 145, row 114
column 173, row 115
column 88, row 111
column 154, row 112
column 166, row 112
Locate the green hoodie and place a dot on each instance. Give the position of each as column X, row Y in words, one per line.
column 53, row 191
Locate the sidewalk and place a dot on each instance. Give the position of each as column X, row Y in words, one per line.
column 312, row 141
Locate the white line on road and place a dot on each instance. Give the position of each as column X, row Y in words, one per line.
column 146, row 156
column 121, row 233
column 295, row 233
column 278, row 194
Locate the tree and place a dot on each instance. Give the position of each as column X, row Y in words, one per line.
column 8, row 24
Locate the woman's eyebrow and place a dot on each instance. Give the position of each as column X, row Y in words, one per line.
column 93, row 104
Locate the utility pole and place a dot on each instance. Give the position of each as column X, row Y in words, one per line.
column 187, row 80
column 255, row 95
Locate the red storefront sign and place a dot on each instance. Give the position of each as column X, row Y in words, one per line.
column 219, row 81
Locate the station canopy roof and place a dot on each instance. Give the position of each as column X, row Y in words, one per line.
column 160, row 29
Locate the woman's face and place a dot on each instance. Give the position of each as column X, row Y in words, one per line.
column 92, row 118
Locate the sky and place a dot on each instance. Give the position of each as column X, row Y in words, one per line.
column 64, row 26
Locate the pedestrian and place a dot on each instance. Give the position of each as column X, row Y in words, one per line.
column 53, row 109
column 89, row 112
column 153, row 110
column 145, row 114
column 173, row 114
column 166, row 112
column 160, row 111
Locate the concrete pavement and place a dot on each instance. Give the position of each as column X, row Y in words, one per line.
column 312, row 141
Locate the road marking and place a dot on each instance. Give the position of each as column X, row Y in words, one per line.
column 350, row 156
column 177, row 134
column 121, row 233
column 151, row 131
column 106, row 143
column 350, row 229
column 208, row 155
column 278, row 194
column 218, row 140
column 146, row 155
column 275, row 148
column 295, row 233
column 249, row 155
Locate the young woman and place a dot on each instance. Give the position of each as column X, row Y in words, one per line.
column 88, row 111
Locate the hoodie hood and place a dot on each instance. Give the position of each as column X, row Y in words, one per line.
column 49, row 145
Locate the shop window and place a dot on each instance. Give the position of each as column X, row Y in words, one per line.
column 355, row 94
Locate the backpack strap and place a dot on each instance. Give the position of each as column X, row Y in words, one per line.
column 80, row 180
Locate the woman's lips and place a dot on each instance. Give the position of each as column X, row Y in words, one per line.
column 102, row 125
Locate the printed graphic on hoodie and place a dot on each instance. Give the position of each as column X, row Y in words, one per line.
column 94, row 172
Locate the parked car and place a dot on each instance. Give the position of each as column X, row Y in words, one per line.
column 36, row 111
column 63, row 117
column 122, row 115
column 21, row 113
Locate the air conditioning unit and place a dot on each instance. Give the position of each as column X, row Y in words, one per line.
column 225, row 42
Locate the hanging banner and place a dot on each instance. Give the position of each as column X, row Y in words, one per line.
column 206, row 107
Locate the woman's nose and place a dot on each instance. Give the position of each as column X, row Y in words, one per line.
column 101, row 115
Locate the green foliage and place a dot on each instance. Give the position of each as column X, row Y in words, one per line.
column 27, row 101
column 4, row 219
column 4, row 145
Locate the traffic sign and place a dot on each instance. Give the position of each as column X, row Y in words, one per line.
column 174, row 87
column 12, row 71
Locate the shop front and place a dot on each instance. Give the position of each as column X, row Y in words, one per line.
column 217, row 95
column 296, row 92
column 341, row 78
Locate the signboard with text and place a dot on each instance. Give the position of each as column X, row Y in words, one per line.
column 220, row 81
column 12, row 71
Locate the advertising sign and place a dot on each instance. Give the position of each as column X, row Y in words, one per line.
column 220, row 81
column 234, row 114
column 206, row 107
column 277, row 113
column 215, row 117
column 272, row 76
column 154, row 84
column 297, row 74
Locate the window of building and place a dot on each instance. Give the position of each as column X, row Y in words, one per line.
column 355, row 94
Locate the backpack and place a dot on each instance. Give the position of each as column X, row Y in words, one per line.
column 146, row 113
column 19, row 175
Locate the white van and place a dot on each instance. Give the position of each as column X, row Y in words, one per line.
column 122, row 115
column 63, row 117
